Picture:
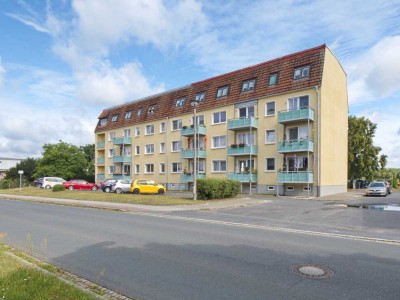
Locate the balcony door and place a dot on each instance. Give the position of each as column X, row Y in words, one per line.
column 298, row 102
column 244, row 165
column 246, row 112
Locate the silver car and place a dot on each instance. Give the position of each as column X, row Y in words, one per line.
column 377, row 188
column 121, row 186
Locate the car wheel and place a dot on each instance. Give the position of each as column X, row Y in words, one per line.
column 71, row 188
column 107, row 189
column 161, row 192
column 47, row 187
column 136, row 191
column 118, row 191
column 94, row 188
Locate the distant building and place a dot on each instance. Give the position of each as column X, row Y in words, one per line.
column 279, row 127
column 6, row 164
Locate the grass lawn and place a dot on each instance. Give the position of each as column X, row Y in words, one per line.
column 105, row 197
column 20, row 281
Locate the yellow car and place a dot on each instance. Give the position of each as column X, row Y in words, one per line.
column 146, row 187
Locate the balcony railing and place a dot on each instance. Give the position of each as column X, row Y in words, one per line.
column 242, row 123
column 189, row 130
column 296, row 115
column 100, row 160
column 122, row 141
column 120, row 177
column 189, row 153
column 189, row 177
column 296, row 177
column 122, row 159
column 242, row 150
column 101, row 176
column 243, row 177
column 295, row 146
column 101, row 144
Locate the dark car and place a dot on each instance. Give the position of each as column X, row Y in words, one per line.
column 79, row 184
column 38, row 182
column 107, row 184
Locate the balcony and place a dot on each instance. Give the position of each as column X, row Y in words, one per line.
column 189, row 177
column 122, row 141
column 189, row 153
column 243, row 177
column 237, row 150
column 101, row 144
column 120, row 177
column 101, row 176
column 242, row 123
column 189, row 130
column 100, row 160
column 296, row 177
column 122, row 159
column 288, row 116
column 295, row 146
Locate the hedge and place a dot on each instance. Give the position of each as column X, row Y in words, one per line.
column 217, row 188
column 58, row 188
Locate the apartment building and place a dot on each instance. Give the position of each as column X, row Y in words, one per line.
column 279, row 127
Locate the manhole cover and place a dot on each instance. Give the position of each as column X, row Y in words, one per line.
column 312, row 271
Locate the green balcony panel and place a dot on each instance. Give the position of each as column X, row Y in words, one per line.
column 189, row 130
column 246, row 150
column 101, row 176
column 101, row 144
column 121, row 177
column 295, row 146
column 243, row 177
column 296, row 177
column 296, row 115
column 189, row 153
column 100, row 160
column 189, row 177
column 122, row 159
column 122, row 141
column 242, row 123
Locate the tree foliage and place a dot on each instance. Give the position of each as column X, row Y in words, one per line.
column 383, row 161
column 89, row 152
column 363, row 155
column 27, row 165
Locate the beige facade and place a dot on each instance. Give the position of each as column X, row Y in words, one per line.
column 287, row 140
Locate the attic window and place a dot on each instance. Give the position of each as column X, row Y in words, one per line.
column 139, row 112
column 114, row 118
column 151, row 109
column 180, row 102
column 128, row 114
column 248, row 85
column 273, row 79
column 301, row 72
column 223, row 91
column 103, row 122
column 200, row 97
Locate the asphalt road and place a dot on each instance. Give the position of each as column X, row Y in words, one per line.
column 229, row 254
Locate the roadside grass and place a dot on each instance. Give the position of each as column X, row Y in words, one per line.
column 21, row 281
column 103, row 197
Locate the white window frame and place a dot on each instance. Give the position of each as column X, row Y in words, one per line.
column 127, row 133
column 301, row 72
column 137, row 168
column 111, row 169
column 219, row 114
column 111, row 152
column 200, row 97
column 111, row 136
column 147, row 167
column 177, row 166
column 149, row 129
column 294, row 103
column 219, row 162
column 162, row 127
column 266, row 109
column 151, row 109
column 267, row 131
column 114, row 118
column 222, row 91
column 273, row 75
column 249, row 85
column 137, row 131
column 128, row 115
column 246, row 138
column 139, row 112
column 149, row 149
column 176, row 125
column 218, row 138
column 162, row 147
column 161, row 168
column 290, row 188
column 103, row 121
column 180, row 102
column 179, row 146
column 270, row 188
column 266, row 164
column 137, row 150
column 306, row 188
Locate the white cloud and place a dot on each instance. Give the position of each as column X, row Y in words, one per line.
column 2, row 71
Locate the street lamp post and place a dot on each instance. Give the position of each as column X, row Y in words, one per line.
column 20, row 172
column 194, row 104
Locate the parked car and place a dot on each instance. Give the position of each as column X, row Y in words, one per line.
column 121, row 186
column 106, row 185
column 38, row 182
column 79, row 184
column 147, row 187
column 388, row 187
column 377, row 188
column 50, row 182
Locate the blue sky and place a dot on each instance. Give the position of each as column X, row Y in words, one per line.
column 62, row 62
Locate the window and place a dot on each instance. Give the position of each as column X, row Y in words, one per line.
column 246, row 112
column 270, row 164
column 103, row 122
column 219, row 165
column 297, row 163
column 149, row 129
column 270, row 108
column 219, row 117
column 245, row 138
column 200, row 97
column 306, row 188
column 137, row 131
column 111, row 152
column 290, row 188
column 114, row 118
column 149, row 149
column 148, row 168
column 111, row 136
column 126, row 151
column 180, row 102
column 110, row 169
column 296, row 133
column 162, row 168
column 298, row 102
column 128, row 115
column 176, row 167
column 162, row 127
column 162, row 147
column 137, row 169
column 176, row 146
column 137, row 150
column 139, row 112
column 151, row 109
column 270, row 188
column 127, row 169
column 127, row 133
column 273, row 79
column 176, row 124
column 270, row 136
column 301, row 72
column 248, row 85
column 223, row 91
column 199, row 119
column 219, row 141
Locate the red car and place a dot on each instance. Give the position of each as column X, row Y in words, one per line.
column 79, row 184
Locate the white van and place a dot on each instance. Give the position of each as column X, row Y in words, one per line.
column 50, row 182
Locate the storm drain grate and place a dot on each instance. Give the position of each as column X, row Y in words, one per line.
column 312, row 271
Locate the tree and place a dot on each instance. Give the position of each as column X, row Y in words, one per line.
column 89, row 152
column 27, row 165
column 362, row 154
column 61, row 160
column 383, row 161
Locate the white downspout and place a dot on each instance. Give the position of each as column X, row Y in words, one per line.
column 318, row 140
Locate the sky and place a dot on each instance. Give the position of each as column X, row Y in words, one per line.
column 62, row 62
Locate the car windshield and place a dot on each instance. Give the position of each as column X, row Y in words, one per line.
column 377, row 184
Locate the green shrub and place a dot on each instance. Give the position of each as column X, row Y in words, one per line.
column 58, row 188
column 217, row 188
column 9, row 184
column 395, row 183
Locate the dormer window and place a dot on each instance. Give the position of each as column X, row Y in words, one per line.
column 301, row 72
column 151, row 109
column 248, row 85
column 103, row 122
column 180, row 102
column 139, row 112
column 223, row 91
column 273, row 79
column 128, row 115
column 114, row 118
column 200, row 97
